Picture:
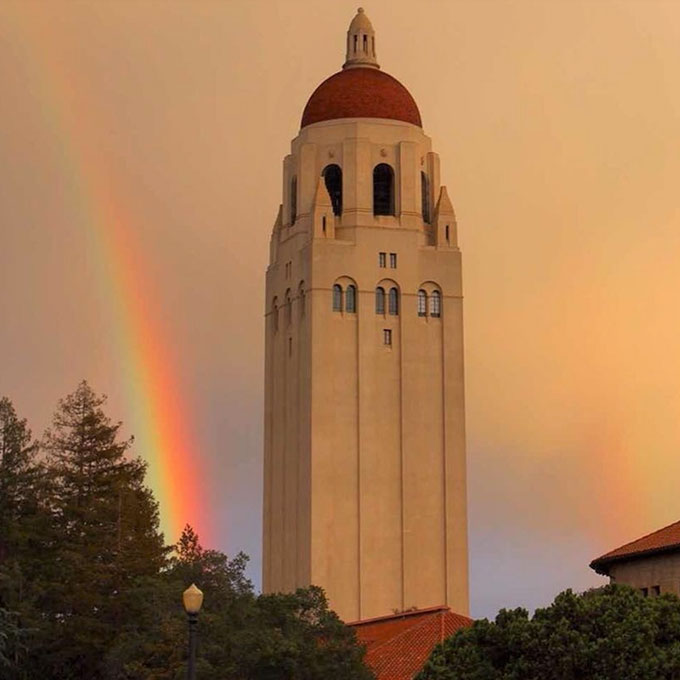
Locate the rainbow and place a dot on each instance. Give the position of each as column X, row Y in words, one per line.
column 159, row 416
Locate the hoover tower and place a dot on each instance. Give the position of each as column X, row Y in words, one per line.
column 364, row 461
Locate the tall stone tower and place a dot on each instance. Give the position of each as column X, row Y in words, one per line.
column 364, row 462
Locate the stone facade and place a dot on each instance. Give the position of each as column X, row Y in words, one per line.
column 652, row 575
column 650, row 563
column 364, row 463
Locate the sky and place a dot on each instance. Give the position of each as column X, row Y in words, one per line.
column 141, row 146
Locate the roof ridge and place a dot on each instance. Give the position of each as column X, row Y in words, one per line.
column 636, row 540
column 400, row 615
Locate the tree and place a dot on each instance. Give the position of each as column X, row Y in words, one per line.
column 604, row 634
column 105, row 542
column 23, row 524
column 241, row 636
column 18, row 474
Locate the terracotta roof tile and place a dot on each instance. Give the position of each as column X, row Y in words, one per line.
column 398, row 646
column 361, row 93
column 658, row 541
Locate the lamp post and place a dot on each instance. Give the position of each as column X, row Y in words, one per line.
column 192, row 598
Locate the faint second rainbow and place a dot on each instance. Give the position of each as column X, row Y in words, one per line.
column 160, row 418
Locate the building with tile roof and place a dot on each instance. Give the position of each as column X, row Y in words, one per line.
column 650, row 563
column 397, row 646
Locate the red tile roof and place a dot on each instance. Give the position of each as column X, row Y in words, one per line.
column 661, row 540
column 361, row 93
column 397, row 646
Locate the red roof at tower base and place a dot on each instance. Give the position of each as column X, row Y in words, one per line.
column 397, row 646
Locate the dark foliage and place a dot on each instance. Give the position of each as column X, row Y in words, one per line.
column 605, row 634
column 88, row 589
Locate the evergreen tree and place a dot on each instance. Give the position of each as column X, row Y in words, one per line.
column 18, row 476
column 24, row 523
column 107, row 538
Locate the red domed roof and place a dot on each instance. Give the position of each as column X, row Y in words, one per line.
column 361, row 93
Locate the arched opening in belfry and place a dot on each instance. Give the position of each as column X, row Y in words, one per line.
column 383, row 190
column 425, row 190
column 332, row 175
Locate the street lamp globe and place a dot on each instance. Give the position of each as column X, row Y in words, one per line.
column 192, row 598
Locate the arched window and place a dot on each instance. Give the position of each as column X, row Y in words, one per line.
column 351, row 299
column 289, row 308
column 337, row 298
column 332, row 175
column 383, row 190
column 301, row 297
column 422, row 303
column 293, row 200
column 393, row 302
column 435, row 304
column 425, row 190
column 379, row 300
column 275, row 315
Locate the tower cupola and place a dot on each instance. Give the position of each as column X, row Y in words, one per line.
column 360, row 42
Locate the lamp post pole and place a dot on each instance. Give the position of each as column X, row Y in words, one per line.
column 193, row 599
column 191, row 668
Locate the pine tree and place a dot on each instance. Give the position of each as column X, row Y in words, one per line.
column 23, row 523
column 107, row 537
column 18, row 473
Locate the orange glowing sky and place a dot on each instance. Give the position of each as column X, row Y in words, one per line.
column 558, row 127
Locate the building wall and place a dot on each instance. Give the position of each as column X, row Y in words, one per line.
column 364, row 443
column 646, row 572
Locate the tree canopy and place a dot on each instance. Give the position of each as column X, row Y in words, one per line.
column 89, row 590
column 605, row 634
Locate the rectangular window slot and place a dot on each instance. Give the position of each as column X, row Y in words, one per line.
column 382, row 260
column 393, row 260
column 656, row 591
column 387, row 337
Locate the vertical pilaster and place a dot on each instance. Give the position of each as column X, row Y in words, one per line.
column 409, row 182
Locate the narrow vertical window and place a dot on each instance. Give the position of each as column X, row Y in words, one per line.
column 332, row 176
column 275, row 316
column 447, row 233
column 394, row 301
column 422, row 303
column 379, row 300
column 382, row 260
column 393, row 260
column 373, row 46
column 383, row 190
column 435, row 304
column 356, row 40
column 425, row 200
column 387, row 336
column 303, row 300
column 351, row 299
column 323, row 224
column 365, row 43
column 293, row 200
column 289, row 308
column 290, row 347
column 337, row 298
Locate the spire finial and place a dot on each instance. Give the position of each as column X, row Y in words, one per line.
column 360, row 42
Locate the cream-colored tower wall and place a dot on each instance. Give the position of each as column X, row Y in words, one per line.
column 364, row 443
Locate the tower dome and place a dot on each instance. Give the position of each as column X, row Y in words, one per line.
column 361, row 89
